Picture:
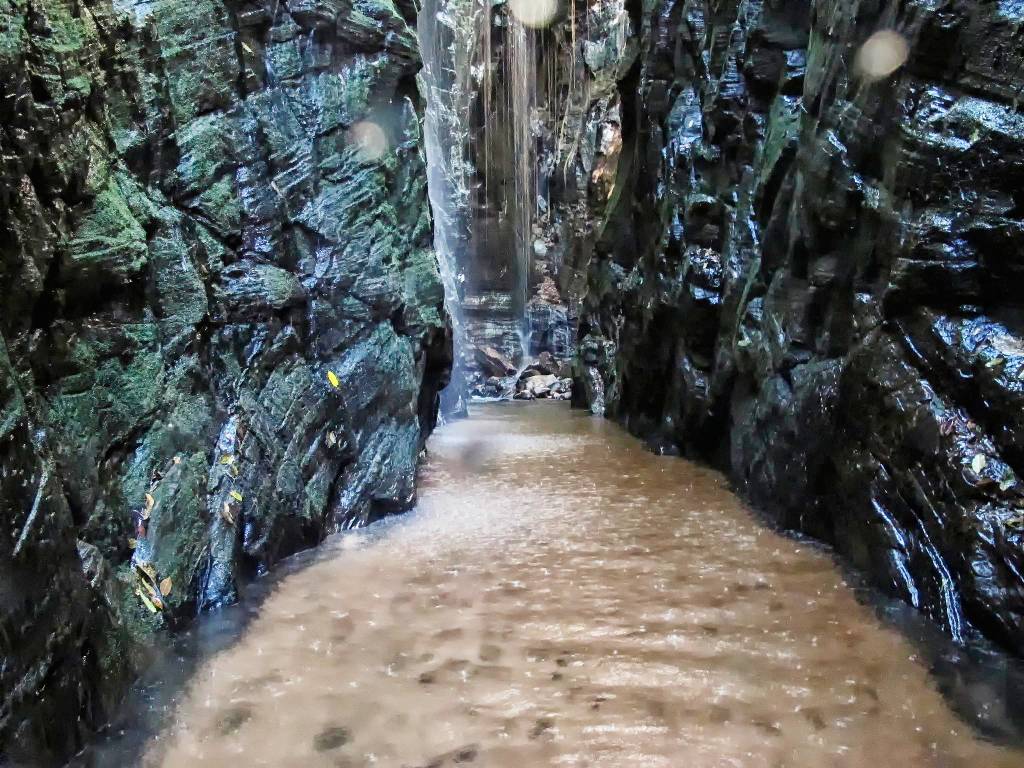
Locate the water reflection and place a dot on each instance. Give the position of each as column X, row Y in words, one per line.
column 565, row 598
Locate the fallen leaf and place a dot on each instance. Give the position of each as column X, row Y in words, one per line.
column 995, row 362
column 177, row 459
column 332, row 439
column 979, row 463
column 333, row 378
column 165, row 586
column 227, row 458
column 148, row 509
column 151, row 591
column 146, row 601
column 1007, row 483
column 236, row 496
column 227, row 514
column 247, row 48
column 147, row 569
column 233, row 470
column 133, row 543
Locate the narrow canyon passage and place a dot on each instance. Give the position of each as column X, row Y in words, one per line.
column 563, row 597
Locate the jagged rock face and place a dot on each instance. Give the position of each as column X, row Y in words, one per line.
column 223, row 331
column 812, row 278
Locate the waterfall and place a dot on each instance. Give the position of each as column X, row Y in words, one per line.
column 449, row 32
column 521, row 69
column 480, row 80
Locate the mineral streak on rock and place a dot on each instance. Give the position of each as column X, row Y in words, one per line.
column 808, row 271
column 222, row 332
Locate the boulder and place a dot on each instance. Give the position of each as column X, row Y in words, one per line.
column 493, row 362
column 539, row 386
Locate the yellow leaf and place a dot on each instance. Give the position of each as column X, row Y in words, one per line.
column 247, row 48
column 147, row 569
column 233, row 469
column 979, row 463
column 333, row 378
column 165, row 586
column 236, row 496
column 227, row 514
column 146, row 601
column 132, row 543
column 227, row 458
column 150, row 502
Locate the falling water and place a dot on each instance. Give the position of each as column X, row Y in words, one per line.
column 449, row 34
column 480, row 83
column 521, row 65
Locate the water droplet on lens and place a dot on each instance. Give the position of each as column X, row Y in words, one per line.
column 882, row 54
column 534, row 13
column 369, row 139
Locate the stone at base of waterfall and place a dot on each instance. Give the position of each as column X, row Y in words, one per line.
column 490, row 388
column 545, row 365
column 494, row 387
column 493, row 363
column 537, row 386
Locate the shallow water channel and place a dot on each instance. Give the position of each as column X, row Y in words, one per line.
column 562, row 597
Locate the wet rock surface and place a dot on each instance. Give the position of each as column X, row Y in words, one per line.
column 809, row 276
column 222, row 334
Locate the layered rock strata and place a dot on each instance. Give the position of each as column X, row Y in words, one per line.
column 808, row 271
column 222, row 332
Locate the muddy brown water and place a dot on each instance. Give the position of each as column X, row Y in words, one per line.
column 562, row 597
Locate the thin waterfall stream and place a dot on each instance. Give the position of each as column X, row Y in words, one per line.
column 486, row 82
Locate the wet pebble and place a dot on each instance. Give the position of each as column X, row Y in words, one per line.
column 233, row 719
column 331, row 738
column 490, row 653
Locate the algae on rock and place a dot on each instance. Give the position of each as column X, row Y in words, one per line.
column 195, row 230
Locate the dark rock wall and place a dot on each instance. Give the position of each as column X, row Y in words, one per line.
column 222, row 331
column 813, row 279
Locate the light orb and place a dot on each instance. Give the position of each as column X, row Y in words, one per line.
column 369, row 139
column 882, row 54
column 534, row 13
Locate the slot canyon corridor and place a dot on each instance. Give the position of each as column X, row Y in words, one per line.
column 512, row 383
column 563, row 597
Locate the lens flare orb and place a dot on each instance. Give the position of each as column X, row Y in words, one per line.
column 882, row 54
column 534, row 13
column 369, row 139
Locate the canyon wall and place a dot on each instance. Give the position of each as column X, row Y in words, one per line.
column 811, row 276
column 222, row 331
